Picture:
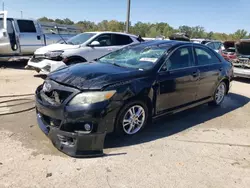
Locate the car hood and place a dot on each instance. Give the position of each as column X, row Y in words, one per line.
column 228, row 44
column 55, row 47
column 94, row 76
column 243, row 48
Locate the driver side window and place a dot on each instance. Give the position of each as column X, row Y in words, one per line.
column 104, row 40
column 180, row 58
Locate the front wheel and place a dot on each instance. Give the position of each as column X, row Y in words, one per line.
column 219, row 94
column 132, row 118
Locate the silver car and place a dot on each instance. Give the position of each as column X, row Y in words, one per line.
column 81, row 48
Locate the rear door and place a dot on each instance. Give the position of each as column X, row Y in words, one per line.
column 210, row 68
column 178, row 80
column 29, row 36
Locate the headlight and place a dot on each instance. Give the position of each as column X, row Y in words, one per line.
column 53, row 54
column 91, row 97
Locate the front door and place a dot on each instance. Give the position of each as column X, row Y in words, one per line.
column 29, row 36
column 105, row 46
column 210, row 68
column 177, row 80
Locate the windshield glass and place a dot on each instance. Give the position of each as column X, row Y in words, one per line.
column 138, row 57
column 80, row 38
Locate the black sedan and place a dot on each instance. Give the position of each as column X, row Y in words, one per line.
column 78, row 105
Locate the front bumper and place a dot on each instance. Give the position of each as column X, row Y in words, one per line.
column 64, row 125
column 45, row 66
column 241, row 72
column 73, row 144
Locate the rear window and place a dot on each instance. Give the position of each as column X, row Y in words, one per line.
column 26, row 26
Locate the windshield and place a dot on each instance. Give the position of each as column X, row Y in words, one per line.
column 80, row 38
column 138, row 57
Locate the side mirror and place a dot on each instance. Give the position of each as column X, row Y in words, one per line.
column 95, row 43
column 164, row 68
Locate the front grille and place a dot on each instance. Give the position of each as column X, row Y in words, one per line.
column 37, row 58
column 241, row 62
column 55, row 97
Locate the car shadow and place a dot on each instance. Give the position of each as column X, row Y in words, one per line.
column 243, row 80
column 170, row 125
column 13, row 64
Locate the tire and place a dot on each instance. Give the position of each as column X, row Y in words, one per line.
column 219, row 94
column 125, row 121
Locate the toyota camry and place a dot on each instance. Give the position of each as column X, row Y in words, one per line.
column 120, row 92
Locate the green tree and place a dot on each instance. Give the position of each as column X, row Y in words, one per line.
column 240, row 34
column 68, row 21
column 187, row 30
column 45, row 19
column 153, row 32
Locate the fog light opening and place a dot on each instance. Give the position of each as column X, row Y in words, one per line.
column 65, row 140
column 87, row 127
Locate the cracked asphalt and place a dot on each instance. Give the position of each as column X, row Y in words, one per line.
column 202, row 147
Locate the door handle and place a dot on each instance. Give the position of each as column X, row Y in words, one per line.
column 38, row 37
column 220, row 69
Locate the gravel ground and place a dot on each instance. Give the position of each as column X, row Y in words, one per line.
column 202, row 147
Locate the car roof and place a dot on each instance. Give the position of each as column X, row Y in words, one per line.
column 111, row 32
column 172, row 43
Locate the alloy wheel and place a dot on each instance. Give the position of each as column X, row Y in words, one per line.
column 133, row 119
column 220, row 93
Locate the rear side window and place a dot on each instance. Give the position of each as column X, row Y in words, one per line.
column 181, row 58
column 121, row 40
column 26, row 26
column 211, row 45
column 217, row 45
column 205, row 56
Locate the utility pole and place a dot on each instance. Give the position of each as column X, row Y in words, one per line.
column 21, row 14
column 128, row 16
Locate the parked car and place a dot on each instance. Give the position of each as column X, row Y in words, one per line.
column 242, row 61
column 19, row 38
column 78, row 105
column 179, row 37
column 229, row 53
column 214, row 44
column 81, row 48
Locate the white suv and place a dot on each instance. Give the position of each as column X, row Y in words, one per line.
column 80, row 48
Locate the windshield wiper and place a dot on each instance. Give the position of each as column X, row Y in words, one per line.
column 115, row 64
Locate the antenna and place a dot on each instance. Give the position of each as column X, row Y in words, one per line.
column 3, row 5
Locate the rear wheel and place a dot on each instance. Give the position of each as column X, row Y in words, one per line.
column 219, row 94
column 132, row 118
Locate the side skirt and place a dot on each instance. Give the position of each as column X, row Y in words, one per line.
column 170, row 112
